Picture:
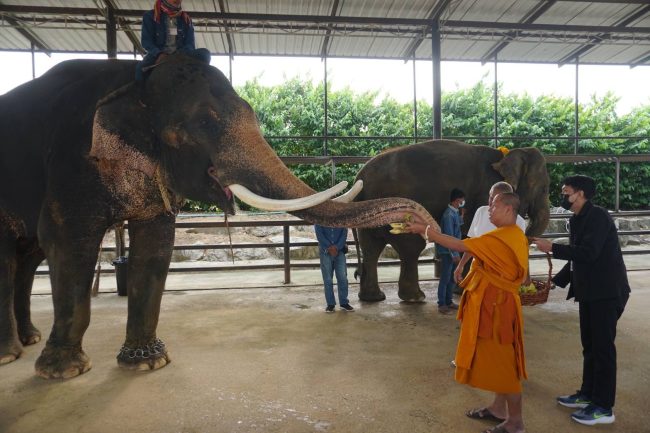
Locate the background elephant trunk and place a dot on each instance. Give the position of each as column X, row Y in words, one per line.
column 539, row 215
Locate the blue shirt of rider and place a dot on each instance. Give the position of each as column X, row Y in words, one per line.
column 155, row 34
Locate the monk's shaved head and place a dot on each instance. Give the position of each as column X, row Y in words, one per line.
column 504, row 209
column 509, row 199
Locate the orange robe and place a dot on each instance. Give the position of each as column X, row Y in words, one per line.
column 490, row 352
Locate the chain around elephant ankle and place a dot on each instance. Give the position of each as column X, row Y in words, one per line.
column 150, row 350
column 425, row 235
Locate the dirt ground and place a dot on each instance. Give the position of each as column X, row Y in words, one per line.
column 270, row 360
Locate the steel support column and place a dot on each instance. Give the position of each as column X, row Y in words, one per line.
column 435, row 60
column 230, row 69
column 33, row 62
column 575, row 114
column 415, row 105
column 111, row 33
column 617, row 201
column 325, row 149
column 496, row 103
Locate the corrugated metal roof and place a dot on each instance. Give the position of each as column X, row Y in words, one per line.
column 599, row 31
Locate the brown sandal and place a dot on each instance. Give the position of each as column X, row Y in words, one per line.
column 484, row 414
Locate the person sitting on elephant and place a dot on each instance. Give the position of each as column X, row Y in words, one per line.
column 490, row 351
column 332, row 248
column 166, row 29
column 481, row 223
column 450, row 224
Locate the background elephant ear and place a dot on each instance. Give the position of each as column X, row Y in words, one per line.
column 512, row 167
column 123, row 135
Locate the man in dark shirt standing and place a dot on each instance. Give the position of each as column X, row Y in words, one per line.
column 598, row 278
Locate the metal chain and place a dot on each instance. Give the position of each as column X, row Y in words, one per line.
column 150, row 350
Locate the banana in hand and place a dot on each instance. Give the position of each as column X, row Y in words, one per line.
column 397, row 228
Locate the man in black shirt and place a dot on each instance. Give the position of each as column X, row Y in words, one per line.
column 598, row 278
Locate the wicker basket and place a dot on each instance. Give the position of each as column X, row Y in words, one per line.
column 542, row 287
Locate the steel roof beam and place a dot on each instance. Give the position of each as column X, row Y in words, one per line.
column 124, row 24
column 366, row 57
column 30, row 36
column 529, row 18
column 226, row 26
column 326, row 40
column 617, row 2
column 324, row 19
column 640, row 60
column 403, row 32
column 595, row 40
column 434, row 16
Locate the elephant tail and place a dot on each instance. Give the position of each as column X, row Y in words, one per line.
column 358, row 273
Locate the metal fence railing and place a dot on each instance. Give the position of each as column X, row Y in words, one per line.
column 286, row 245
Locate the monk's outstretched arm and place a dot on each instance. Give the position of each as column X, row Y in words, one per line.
column 433, row 235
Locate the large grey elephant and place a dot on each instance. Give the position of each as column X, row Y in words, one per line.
column 426, row 172
column 69, row 171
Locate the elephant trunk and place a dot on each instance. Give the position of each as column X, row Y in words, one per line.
column 263, row 173
column 364, row 214
column 539, row 215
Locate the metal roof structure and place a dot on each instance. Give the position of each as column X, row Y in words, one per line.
column 615, row 32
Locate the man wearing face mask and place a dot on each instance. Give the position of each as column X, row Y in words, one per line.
column 598, row 278
column 450, row 225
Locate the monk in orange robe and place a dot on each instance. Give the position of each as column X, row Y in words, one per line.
column 490, row 352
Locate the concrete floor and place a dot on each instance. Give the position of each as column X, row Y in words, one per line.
column 269, row 360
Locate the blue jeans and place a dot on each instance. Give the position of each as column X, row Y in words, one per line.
column 200, row 53
column 328, row 266
column 446, row 283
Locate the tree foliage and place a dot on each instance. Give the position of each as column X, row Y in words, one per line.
column 296, row 108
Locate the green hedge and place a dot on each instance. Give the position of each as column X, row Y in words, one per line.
column 296, row 108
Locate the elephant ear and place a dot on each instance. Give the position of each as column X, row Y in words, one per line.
column 512, row 167
column 123, row 137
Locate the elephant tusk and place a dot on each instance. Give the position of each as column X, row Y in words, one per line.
column 271, row 204
column 350, row 195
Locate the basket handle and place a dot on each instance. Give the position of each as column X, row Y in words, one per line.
column 550, row 269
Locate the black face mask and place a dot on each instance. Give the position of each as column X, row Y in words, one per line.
column 565, row 203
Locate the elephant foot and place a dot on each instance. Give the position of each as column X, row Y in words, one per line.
column 30, row 335
column 150, row 357
column 374, row 296
column 10, row 352
column 62, row 362
column 412, row 297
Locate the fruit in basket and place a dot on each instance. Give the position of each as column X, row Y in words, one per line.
column 529, row 289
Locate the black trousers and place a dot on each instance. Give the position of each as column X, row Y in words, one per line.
column 598, row 331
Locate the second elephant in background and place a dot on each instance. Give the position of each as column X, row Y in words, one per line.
column 426, row 172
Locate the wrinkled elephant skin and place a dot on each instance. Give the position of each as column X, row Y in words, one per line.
column 82, row 149
column 427, row 172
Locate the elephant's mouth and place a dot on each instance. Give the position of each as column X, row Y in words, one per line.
column 225, row 196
